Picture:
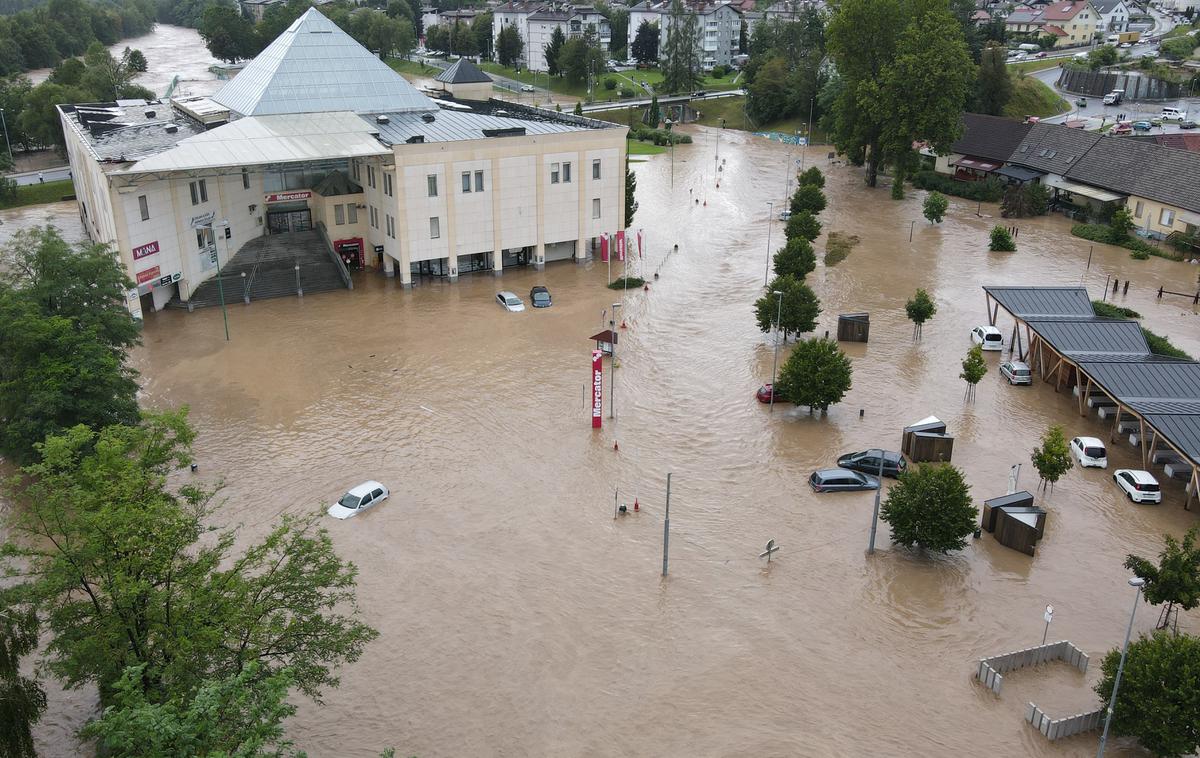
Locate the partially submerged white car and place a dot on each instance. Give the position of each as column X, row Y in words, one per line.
column 358, row 500
column 1090, row 452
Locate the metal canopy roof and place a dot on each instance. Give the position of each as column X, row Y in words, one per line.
column 316, row 67
column 1182, row 430
column 1032, row 302
column 1095, row 193
column 1161, row 381
column 448, row 126
column 1019, row 173
column 1081, row 337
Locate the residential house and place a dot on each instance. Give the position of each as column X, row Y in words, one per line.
column 1073, row 22
column 984, row 147
column 1162, row 184
column 515, row 14
column 1023, row 20
column 1114, row 15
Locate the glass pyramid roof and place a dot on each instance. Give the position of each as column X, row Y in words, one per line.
column 315, row 67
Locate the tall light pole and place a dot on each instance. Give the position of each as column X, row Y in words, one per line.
column 770, row 217
column 875, row 513
column 220, row 285
column 807, row 134
column 612, row 387
column 1136, row 582
column 7, row 142
column 775, row 362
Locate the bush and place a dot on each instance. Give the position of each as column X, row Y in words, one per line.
column 1162, row 346
column 808, row 197
column 811, row 176
column 1108, row 310
column 719, row 71
column 610, row 84
column 803, row 225
column 935, row 207
column 626, row 281
column 1139, row 248
column 988, row 191
column 1021, row 201
column 659, row 136
column 1001, row 241
column 838, row 246
column 627, row 91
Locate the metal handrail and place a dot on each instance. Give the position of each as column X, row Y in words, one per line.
column 337, row 259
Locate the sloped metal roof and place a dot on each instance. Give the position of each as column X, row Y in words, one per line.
column 315, row 67
column 1182, row 430
column 1163, row 382
column 1081, row 337
column 1032, row 302
column 449, row 126
column 463, row 71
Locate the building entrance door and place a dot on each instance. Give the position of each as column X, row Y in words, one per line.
column 284, row 221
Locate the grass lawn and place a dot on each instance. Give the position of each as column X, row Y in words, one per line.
column 1178, row 31
column 636, row 147
column 37, row 194
column 732, row 109
column 654, row 78
column 1040, row 64
column 539, row 79
column 1031, row 97
column 413, row 68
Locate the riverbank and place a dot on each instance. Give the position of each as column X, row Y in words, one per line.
column 38, row 194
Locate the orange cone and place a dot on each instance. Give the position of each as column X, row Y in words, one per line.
column 635, row 504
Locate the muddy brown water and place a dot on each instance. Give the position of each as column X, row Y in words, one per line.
column 519, row 618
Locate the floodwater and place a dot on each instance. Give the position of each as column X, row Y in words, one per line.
column 519, row 618
column 170, row 51
column 63, row 215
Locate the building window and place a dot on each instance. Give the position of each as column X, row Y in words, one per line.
column 387, row 184
column 199, row 191
column 245, row 179
column 479, row 181
column 339, row 214
column 1166, row 217
column 596, row 168
column 204, row 238
column 144, row 207
column 566, row 173
column 595, row 207
column 371, row 176
column 435, row 228
column 354, row 170
column 1137, row 209
column 374, row 218
column 554, row 173
column 466, row 181
column 351, row 213
column 431, row 183
column 391, row 227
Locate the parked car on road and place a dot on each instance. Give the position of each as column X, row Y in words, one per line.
column 509, row 301
column 1090, row 452
column 528, row 88
column 1187, row 124
column 1142, row 126
column 1139, row 486
column 841, row 480
column 539, row 296
column 358, row 500
column 987, row 337
column 867, row 462
column 1016, row 372
column 766, row 391
column 700, row 93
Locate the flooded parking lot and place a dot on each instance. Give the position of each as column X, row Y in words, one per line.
column 519, row 618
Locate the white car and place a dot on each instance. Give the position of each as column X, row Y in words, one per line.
column 509, row 301
column 1016, row 372
column 987, row 337
column 527, row 88
column 358, row 500
column 1140, row 486
column 1090, row 452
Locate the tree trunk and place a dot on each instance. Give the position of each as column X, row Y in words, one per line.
column 872, row 163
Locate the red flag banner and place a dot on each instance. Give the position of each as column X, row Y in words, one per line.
column 597, row 388
column 619, row 245
column 603, row 248
column 639, row 241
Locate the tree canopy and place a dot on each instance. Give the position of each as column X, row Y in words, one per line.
column 509, row 46
column 645, row 43
column 681, row 53
column 816, row 373
column 553, row 51
column 802, row 225
column 930, row 507
column 993, row 85
column 797, row 308
column 1175, row 580
column 935, row 206
column 795, row 259
column 808, row 197
column 974, row 368
column 1053, row 458
column 920, row 308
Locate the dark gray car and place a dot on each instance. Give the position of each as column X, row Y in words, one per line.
column 841, row 479
column 868, row 462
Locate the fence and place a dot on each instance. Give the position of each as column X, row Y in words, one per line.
column 991, row 670
column 1100, row 83
column 1056, row 729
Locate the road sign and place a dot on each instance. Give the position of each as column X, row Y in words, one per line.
column 1049, row 614
column 771, row 549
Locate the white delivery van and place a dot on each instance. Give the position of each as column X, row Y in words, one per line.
column 1029, row 47
column 1173, row 114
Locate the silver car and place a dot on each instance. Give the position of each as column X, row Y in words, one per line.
column 1016, row 372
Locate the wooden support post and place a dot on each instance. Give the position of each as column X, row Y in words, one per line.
column 1042, row 357
column 1116, row 423
column 1083, row 393
column 1153, row 447
column 1187, row 503
column 1142, row 440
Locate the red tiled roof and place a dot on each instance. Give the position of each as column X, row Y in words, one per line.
column 1057, row 31
column 1062, row 11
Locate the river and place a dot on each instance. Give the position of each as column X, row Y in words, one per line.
column 519, row 618
column 170, row 51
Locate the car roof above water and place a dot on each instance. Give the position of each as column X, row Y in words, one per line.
column 365, row 488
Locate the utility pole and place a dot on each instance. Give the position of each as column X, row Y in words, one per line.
column 612, row 389
column 667, row 525
column 770, row 217
column 7, row 142
column 875, row 513
column 775, row 362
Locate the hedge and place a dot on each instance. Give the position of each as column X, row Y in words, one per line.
column 659, row 136
column 1139, row 247
column 989, row 190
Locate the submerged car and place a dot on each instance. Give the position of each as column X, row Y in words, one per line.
column 867, row 462
column 1139, row 486
column 540, row 297
column 509, row 301
column 359, row 499
column 766, row 392
column 987, row 337
column 841, row 480
column 1090, row 452
column 1016, row 372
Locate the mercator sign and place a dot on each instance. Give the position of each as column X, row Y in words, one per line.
column 597, row 388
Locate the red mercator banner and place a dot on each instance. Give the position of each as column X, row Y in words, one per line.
column 604, row 248
column 639, row 241
column 619, row 245
column 597, row 388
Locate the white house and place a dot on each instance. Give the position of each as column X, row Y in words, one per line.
column 1113, row 15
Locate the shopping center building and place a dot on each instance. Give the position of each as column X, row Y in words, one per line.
column 317, row 144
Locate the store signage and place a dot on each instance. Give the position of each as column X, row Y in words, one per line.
column 278, row 197
column 147, row 275
column 597, row 388
column 168, row 280
column 203, row 221
column 150, row 248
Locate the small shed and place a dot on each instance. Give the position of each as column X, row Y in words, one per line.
column 463, row 80
column 605, row 341
column 926, row 441
column 1015, row 521
column 853, row 327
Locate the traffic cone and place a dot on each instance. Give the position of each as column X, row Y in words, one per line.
column 615, row 446
column 623, row 326
column 635, row 504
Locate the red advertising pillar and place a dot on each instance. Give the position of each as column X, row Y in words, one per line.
column 597, row 388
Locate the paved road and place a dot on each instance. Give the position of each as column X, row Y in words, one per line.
column 49, row 174
column 646, row 101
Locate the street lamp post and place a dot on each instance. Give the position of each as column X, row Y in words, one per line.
column 775, row 362
column 612, row 388
column 7, row 142
column 770, row 217
column 220, row 285
column 1136, row 582
column 875, row 512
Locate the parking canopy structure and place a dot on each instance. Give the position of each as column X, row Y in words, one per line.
column 1110, row 366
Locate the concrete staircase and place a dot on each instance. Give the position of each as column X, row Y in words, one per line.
column 269, row 264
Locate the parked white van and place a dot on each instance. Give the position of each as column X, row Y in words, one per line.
column 1173, row 114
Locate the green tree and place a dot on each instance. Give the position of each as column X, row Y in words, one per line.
column 1120, row 225
column 681, row 52
column 136, row 60
column 645, row 43
column 64, row 330
column 974, row 368
column 38, row 119
column 509, row 46
column 22, row 700
column 1053, row 458
column 239, row 715
column 817, row 374
column 389, row 36
column 578, row 108
column 993, row 85
column 795, row 259
column 227, row 34
column 436, row 39
column 1176, row 49
column 802, row 225
column 920, row 308
column 580, row 58
column 1175, row 580
column 618, row 22
column 808, row 197
column 770, row 92
column 653, row 115
column 553, row 50
column 1159, row 702
column 1105, row 55
column 935, row 207
column 930, row 507
column 127, row 571
column 797, row 309
column 1000, row 240
column 481, row 31
column 811, row 177
column 631, row 203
